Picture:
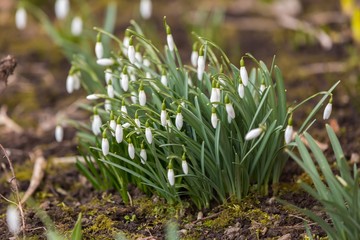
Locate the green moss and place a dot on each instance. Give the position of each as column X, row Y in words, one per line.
column 102, row 227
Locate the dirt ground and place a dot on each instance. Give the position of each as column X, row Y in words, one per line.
column 35, row 96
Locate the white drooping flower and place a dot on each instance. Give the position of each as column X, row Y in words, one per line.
column 106, row 62
column 243, row 73
column 229, row 109
column 131, row 51
column 146, row 62
column 241, row 90
column 99, row 48
column 142, row 96
column 170, row 174
column 131, row 149
column 185, row 167
column 288, row 134
column 62, row 8
column 254, row 133
column 145, row 9
column 143, row 155
column 76, row 26
column 214, row 118
column 59, row 133
column 126, row 125
column 179, row 120
column 107, row 105
column 133, row 97
column 124, row 80
column 262, row 88
column 138, row 123
column 163, row 78
column 110, row 90
column 105, row 144
column 163, row 115
column 148, row 133
column 119, row 133
column 194, row 58
column 169, row 39
column 77, row 82
column 200, row 65
column 93, row 96
column 215, row 94
column 108, row 75
column 123, row 108
column 126, row 41
column 13, row 219
column 20, row 18
column 328, row 109
column 96, row 123
column 112, row 123
column 70, row 83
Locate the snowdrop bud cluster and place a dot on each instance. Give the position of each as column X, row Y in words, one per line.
column 201, row 64
column 241, row 89
column 328, row 109
column 163, row 115
column 184, row 164
column 171, row 174
column 169, row 38
column 106, row 62
column 105, row 144
column 148, row 133
column 142, row 96
column 110, row 90
column 145, row 9
column 99, row 49
column 119, row 131
column 13, row 219
column 179, row 120
column 124, row 82
column 123, row 108
column 243, row 73
column 214, row 117
column 59, row 133
column 164, row 78
column 131, row 149
column 194, row 55
column 229, row 108
column 96, row 123
column 131, row 51
column 76, row 26
column 62, row 8
column 254, row 133
column 20, row 18
column 143, row 154
column 289, row 131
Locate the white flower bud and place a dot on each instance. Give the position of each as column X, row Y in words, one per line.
column 13, row 219
column 254, row 133
column 214, row 119
column 113, row 126
column 163, row 116
column 241, row 90
column 108, row 75
column 143, row 156
column 59, row 133
column 126, row 125
column 20, row 18
column 215, row 96
column 119, row 133
column 288, row 134
column 105, row 146
column 194, row 58
column 124, row 109
column 138, row 59
column 146, row 62
column 133, row 97
column 171, row 176
column 105, row 62
column 170, row 42
column 70, row 83
column 142, row 98
column 93, row 96
column 96, row 124
column 179, row 120
column 262, row 88
column 110, row 91
column 99, row 50
column 124, row 82
column 185, row 167
column 230, row 110
column 327, row 111
column 148, row 135
column 201, row 67
column 76, row 26
column 107, row 105
column 62, row 8
column 164, row 80
column 138, row 124
column 342, row 181
column 77, row 82
column 244, row 75
column 145, row 9
column 148, row 75
column 131, row 54
column 131, row 150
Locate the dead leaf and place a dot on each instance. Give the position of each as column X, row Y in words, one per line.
column 7, row 67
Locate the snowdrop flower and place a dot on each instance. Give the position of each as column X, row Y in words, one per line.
column 142, row 96
column 147, row 75
column 105, row 144
column 131, row 51
column 107, row 105
column 169, row 38
column 126, row 125
column 201, row 65
column 70, row 83
column 77, row 82
column 131, row 149
column 59, row 133
column 76, row 26
column 133, row 97
column 110, row 90
column 138, row 56
column 62, row 8
column 243, row 73
column 93, row 96
column 163, row 79
column 126, row 41
column 123, row 108
column 112, row 123
column 124, row 80
column 145, row 9
column 170, row 174
column 342, row 181
column 143, row 154
column 137, row 122
column 96, row 123
column 328, row 109
column 254, row 133
column 20, row 18
column 194, row 55
column 229, row 108
column 13, row 219
column 105, row 62
column 146, row 62
column 289, row 131
column 148, row 133
column 99, row 49
column 214, row 117
column 163, row 115
column 108, row 75
column 179, row 120
column 119, row 131
column 262, row 86
column 215, row 94
column 241, row 89
column 184, row 164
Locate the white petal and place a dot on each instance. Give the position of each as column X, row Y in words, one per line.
column 163, row 118
column 230, row 110
column 142, row 98
column 327, row 111
column 241, row 90
column 105, row 62
column 214, row 98
column 164, row 80
column 148, row 135
column 20, row 18
column 124, row 109
column 13, row 219
column 170, row 42
column 124, row 82
column 76, row 26
column 146, row 62
column 113, row 126
column 70, row 84
column 108, row 75
column 254, row 133
column 131, row 151
column 262, row 88
column 105, row 146
column 171, row 176
column 107, row 105
column 96, row 125
column 244, row 76
column 119, row 133
column 77, row 82
column 126, row 125
column 138, row 57
column 194, row 58
column 145, row 9
column 93, row 97
column 288, row 134
column 131, row 54
column 201, row 67
column 59, row 133
column 110, row 91
column 179, row 120
column 62, row 8
column 185, row 167
column 214, row 120
column 138, row 123
column 99, row 50
column 143, row 156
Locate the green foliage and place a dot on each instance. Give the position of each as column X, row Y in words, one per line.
column 339, row 194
